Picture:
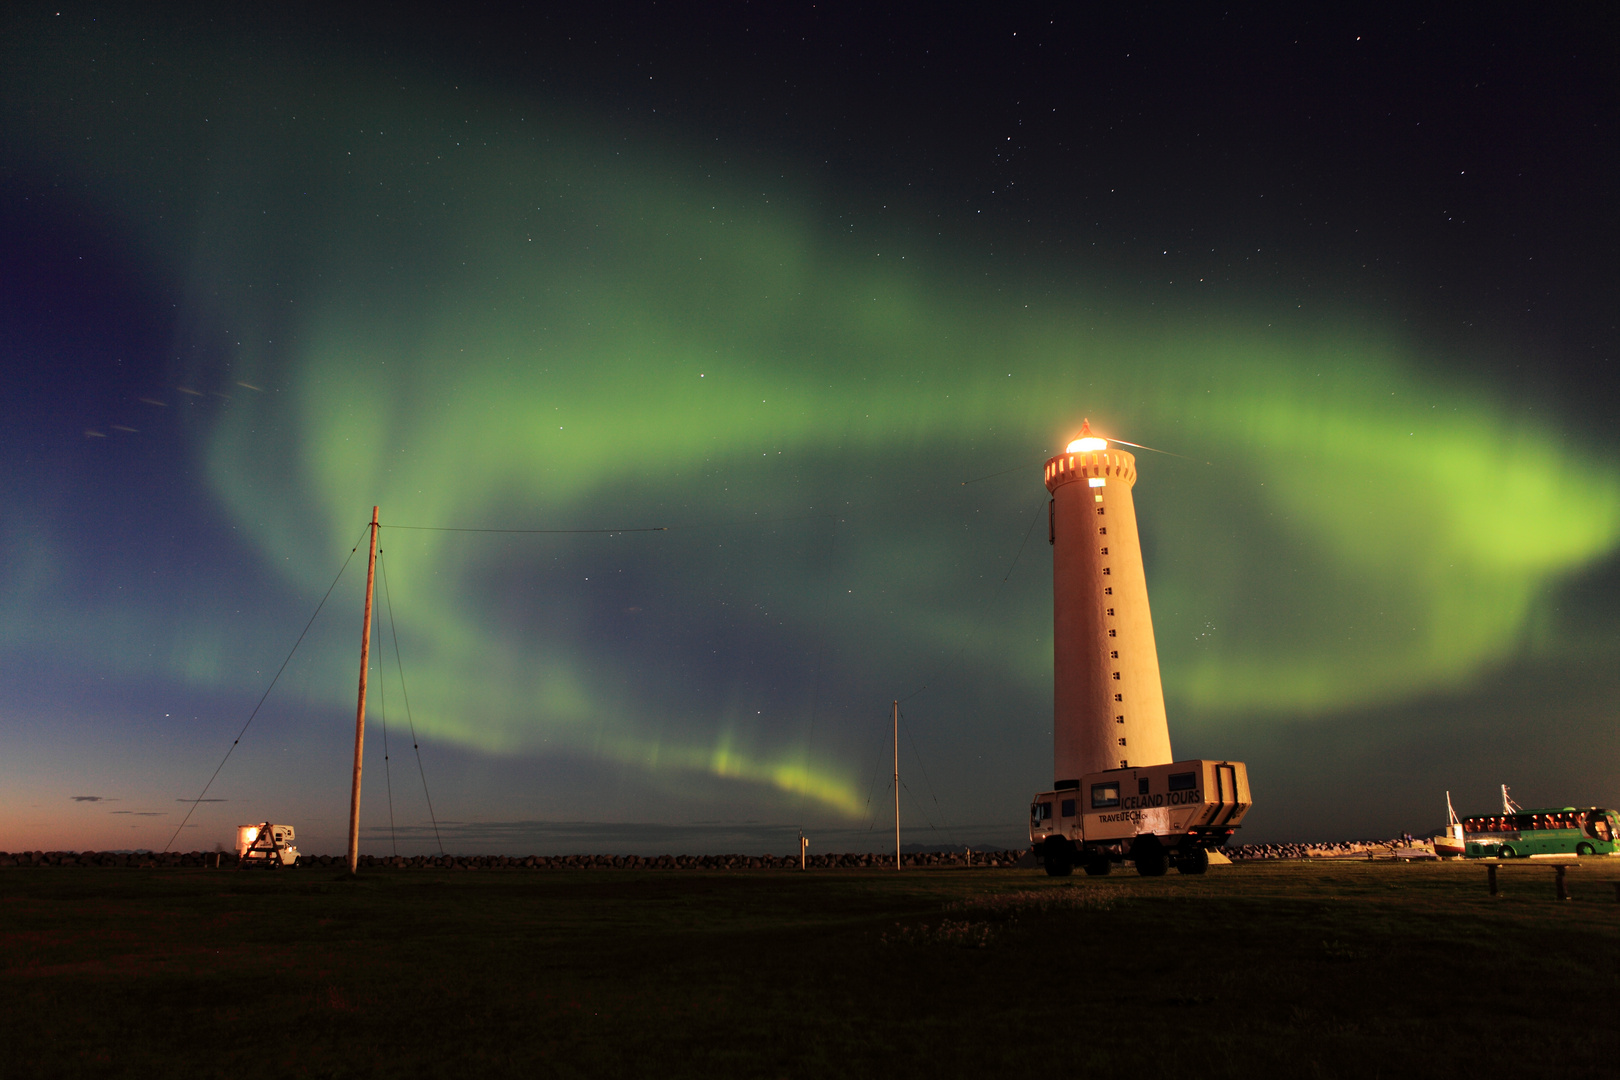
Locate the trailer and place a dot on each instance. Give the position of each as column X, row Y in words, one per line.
column 266, row 844
column 1157, row 816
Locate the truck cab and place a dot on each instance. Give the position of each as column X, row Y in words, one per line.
column 1157, row 817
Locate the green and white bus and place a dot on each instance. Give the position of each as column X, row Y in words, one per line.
column 1559, row 830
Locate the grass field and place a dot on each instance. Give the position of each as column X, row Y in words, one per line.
column 1278, row 969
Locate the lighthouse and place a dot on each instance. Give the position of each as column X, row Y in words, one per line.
column 1116, row 794
column 1108, row 704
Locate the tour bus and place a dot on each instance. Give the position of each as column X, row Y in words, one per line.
column 1561, row 830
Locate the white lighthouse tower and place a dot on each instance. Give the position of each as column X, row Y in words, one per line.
column 1108, row 704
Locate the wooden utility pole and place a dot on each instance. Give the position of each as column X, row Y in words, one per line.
column 897, row 785
column 360, row 709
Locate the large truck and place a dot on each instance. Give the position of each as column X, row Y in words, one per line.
column 266, row 844
column 1157, row 816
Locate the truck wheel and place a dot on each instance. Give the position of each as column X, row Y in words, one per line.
column 1059, row 859
column 1098, row 865
column 1151, row 860
column 1194, row 860
column 1584, row 849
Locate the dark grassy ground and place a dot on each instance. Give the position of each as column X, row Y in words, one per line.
column 1281, row 969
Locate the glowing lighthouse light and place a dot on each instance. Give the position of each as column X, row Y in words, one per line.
column 1087, row 442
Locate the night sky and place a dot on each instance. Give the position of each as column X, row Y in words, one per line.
column 815, row 293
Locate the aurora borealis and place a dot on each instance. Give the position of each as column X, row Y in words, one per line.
column 331, row 274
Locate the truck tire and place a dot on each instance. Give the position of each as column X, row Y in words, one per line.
column 1059, row 859
column 1193, row 860
column 1150, row 858
column 1098, row 864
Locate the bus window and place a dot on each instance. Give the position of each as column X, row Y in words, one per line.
column 1104, row 795
column 1183, row 781
column 1068, row 808
column 1598, row 826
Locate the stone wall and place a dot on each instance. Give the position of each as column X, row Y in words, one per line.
column 1342, row 849
column 511, row 862
column 848, row 861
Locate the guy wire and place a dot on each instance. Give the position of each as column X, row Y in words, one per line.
column 994, row 475
column 437, row 528
column 927, row 783
column 1154, row 449
column 921, row 808
column 266, row 694
column 871, row 789
column 415, row 745
column 382, row 714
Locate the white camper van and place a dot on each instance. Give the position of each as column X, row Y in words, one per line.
column 1157, row 817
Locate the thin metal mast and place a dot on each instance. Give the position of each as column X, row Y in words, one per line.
column 897, row 785
column 360, row 709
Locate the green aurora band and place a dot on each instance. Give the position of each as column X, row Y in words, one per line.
column 475, row 312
